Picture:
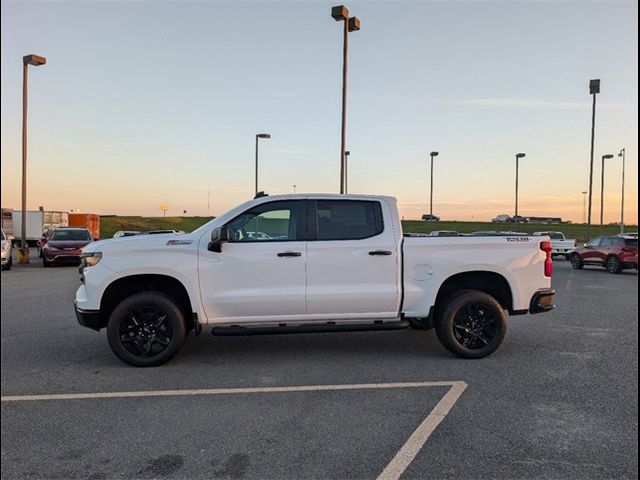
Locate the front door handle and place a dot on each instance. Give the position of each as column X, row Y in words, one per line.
column 289, row 254
column 380, row 252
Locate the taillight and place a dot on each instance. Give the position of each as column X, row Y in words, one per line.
column 545, row 246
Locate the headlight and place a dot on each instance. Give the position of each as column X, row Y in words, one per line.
column 90, row 259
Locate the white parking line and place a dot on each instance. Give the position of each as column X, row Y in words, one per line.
column 392, row 471
column 417, row 440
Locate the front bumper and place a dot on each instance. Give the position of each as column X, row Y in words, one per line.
column 542, row 301
column 89, row 318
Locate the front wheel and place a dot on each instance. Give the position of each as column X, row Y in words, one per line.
column 613, row 265
column 576, row 262
column 471, row 324
column 146, row 329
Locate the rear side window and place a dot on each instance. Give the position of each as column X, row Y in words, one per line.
column 607, row 242
column 348, row 219
column 631, row 242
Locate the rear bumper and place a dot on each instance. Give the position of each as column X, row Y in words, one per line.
column 89, row 318
column 542, row 301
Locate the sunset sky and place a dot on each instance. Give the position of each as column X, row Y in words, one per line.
column 149, row 103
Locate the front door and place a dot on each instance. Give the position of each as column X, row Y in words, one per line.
column 592, row 252
column 260, row 273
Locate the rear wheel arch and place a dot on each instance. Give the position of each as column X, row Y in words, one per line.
column 491, row 283
column 124, row 287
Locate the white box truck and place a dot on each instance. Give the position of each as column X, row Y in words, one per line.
column 35, row 226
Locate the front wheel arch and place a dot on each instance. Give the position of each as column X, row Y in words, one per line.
column 124, row 287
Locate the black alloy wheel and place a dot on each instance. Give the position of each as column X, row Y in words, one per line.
column 475, row 325
column 146, row 329
column 471, row 324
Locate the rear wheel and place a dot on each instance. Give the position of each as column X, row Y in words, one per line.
column 613, row 265
column 146, row 329
column 576, row 262
column 471, row 324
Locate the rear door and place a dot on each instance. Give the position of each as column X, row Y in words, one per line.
column 352, row 260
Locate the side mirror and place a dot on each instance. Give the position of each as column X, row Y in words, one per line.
column 218, row 237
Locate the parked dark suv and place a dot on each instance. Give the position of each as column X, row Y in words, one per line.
column 613, row 253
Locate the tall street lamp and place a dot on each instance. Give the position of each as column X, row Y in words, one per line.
column 594, row 89
column 351, row 24
column 432, row 154
column 604, row 157
column 518, row 157
column 258, row 137
column 36, row 61
column 346, row 171
column 584, row 207
column 622, row 154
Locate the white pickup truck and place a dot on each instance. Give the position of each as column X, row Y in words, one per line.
column 560, row 245
column 308, row 263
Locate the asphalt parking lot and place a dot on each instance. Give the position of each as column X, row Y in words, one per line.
column 559, row 399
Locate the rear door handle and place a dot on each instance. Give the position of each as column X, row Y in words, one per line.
column 289, row 254
column 379, row 252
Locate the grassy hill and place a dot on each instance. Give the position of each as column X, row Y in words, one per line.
column 111, row 224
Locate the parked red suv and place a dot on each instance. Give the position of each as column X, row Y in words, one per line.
column 64, row 245
column 613, row 253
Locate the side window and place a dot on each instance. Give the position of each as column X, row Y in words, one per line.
column 270, row 222
column 607, row 242
column 348, row 219
column 594, row 243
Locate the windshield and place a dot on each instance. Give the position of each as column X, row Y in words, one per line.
column 555, row 236
column 74, row 235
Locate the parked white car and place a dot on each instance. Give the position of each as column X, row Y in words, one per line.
column 504, row 218
column 7, row 250
column 328, row 263
column 560, row 246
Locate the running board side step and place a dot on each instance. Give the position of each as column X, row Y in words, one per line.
column 310, row 328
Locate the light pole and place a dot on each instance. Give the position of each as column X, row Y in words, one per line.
column 604, row 157
column 518, row 157
column 351, row 24
column 584, row 207
column 432, row 154
column 258, row 137
column 36, row 61
column 346, row 171
column 594, row 89
column 294, row 188
column 622, row 154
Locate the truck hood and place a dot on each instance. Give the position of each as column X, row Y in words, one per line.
column 141, row 242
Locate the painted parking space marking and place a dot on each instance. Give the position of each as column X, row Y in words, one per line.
column 392, row 471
